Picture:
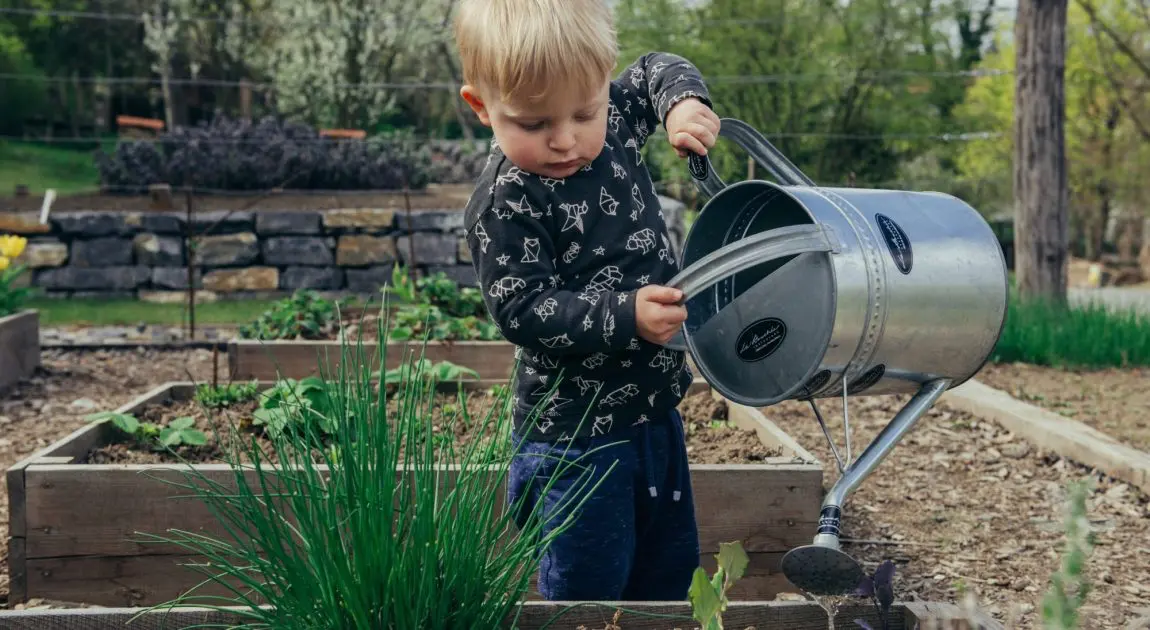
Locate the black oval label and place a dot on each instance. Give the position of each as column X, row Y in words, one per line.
column 868, row 379
column 897, row 243
column 760, row 340
column 817, row 382
column 697, row 165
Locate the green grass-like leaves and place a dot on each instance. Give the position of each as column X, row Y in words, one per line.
column 336, row 538
column 1076, row 335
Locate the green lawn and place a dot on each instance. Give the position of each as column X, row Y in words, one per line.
column 125, row 312
column 41, row 166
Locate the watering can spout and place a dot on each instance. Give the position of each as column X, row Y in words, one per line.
column 822, row 568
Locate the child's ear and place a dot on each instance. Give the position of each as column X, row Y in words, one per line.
column 470, row 94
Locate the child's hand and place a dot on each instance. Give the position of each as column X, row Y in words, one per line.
column 691, row 126
column 658, row 314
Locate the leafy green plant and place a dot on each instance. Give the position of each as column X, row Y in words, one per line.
column 303, row 315
column 292, row 404
column 178, row 432
column 218, row 396
column 708, row 597
column 422, row 368
column 1069, row 586
column 431, row 322
column 349, row 543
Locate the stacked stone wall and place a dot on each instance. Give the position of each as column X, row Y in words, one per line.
column 238, row 254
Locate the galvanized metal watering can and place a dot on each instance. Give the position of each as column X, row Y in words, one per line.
column 799, row 292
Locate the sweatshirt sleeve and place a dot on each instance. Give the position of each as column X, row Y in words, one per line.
column 514, row 258
column 648, row 88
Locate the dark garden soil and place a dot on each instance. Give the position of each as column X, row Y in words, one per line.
column 710, row 439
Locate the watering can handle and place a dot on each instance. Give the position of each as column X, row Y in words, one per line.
column 750, row 251
column 753, row 142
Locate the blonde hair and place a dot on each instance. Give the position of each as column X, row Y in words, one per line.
column 520, row 47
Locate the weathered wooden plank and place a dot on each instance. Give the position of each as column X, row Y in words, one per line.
column 766, row 507
column 1047, row 430
column 19, row 347
column 155, row 579
column 269, row 360
column 769, row 507
column 751, row 419
column 532, row 615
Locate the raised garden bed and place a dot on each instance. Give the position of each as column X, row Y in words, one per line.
column 74, row 524
column 250, row 359
column 307, row 335
column 19, row 347
column 761, row 615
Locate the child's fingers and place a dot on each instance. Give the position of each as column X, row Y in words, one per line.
column 663, row 295
column 684, row 140
column 701, row 133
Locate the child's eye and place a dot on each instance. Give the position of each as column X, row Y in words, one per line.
column 531, row 126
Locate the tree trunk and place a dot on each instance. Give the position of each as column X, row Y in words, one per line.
column 1041, row 195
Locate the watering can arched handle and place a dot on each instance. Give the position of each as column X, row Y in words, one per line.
column 750, row 251
column 760, row 149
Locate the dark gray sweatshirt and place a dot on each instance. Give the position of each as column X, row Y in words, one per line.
column 560, row 262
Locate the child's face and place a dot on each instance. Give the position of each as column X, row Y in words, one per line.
column 553, row 137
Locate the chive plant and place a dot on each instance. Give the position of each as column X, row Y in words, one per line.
column 379, row 527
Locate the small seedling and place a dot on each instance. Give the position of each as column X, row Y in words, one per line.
column 180, row 431
column 879, row 587
column 218, row 396
column 709, row 596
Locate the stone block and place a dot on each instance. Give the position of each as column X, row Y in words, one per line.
column 430, row 249
column 431, row 221
column 162, row 223
column 104, row 251
column 223, row 221
column 158, row 251
column 359, row 219
column 463, row 275
column 177, row 297
column 319, row 278
column 90, row 224
column 227, row 250
column 40, row 254
column 369, row 280
column 72, row 278
column 297, row 250
column 175, row 277
column 274, row 223
column 363, row 250
column 246, row 279
column 22, row 223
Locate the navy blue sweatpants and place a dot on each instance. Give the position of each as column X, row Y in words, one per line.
column 634, row 538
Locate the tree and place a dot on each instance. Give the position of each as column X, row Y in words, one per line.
column 1041, row 196
column 1105, row 152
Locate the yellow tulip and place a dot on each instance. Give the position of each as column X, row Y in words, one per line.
column 3, row 263
column 12, row 246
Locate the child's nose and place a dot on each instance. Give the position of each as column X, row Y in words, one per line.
column 562, row 140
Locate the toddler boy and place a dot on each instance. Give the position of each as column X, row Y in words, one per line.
column 570, row 247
